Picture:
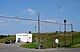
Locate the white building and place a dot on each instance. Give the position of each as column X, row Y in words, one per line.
column 23, row 37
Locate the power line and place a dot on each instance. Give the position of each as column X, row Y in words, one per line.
column 17, row 18
column 45, row 21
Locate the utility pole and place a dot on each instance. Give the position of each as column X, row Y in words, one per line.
column 39, row 30
column 39, row 26
column 38, row 23
column 65, row 31
column 72, row 32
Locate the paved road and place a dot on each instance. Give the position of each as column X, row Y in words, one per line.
column 16, row 48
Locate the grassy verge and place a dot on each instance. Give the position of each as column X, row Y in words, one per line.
column 75, row 46
column 29, row 45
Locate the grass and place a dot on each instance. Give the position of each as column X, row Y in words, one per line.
column 75, row 46
column 29, row 45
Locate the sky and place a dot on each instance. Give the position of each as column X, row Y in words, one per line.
column 48, row 9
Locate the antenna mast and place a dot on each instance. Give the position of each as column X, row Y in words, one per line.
column 59, row 15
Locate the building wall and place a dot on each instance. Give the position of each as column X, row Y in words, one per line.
column 23, row 37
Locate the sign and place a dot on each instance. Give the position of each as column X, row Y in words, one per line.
column 56, row 40
column 23, row 37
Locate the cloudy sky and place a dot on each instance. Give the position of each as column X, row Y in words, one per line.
column 48, row 9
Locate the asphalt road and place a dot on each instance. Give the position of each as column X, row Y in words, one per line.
column 16, row 48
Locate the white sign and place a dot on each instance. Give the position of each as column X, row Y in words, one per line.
column 56, row 40
column 23, row 37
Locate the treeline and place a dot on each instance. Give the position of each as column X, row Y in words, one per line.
column 3, row 36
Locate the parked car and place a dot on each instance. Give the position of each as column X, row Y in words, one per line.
column 7, row 42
